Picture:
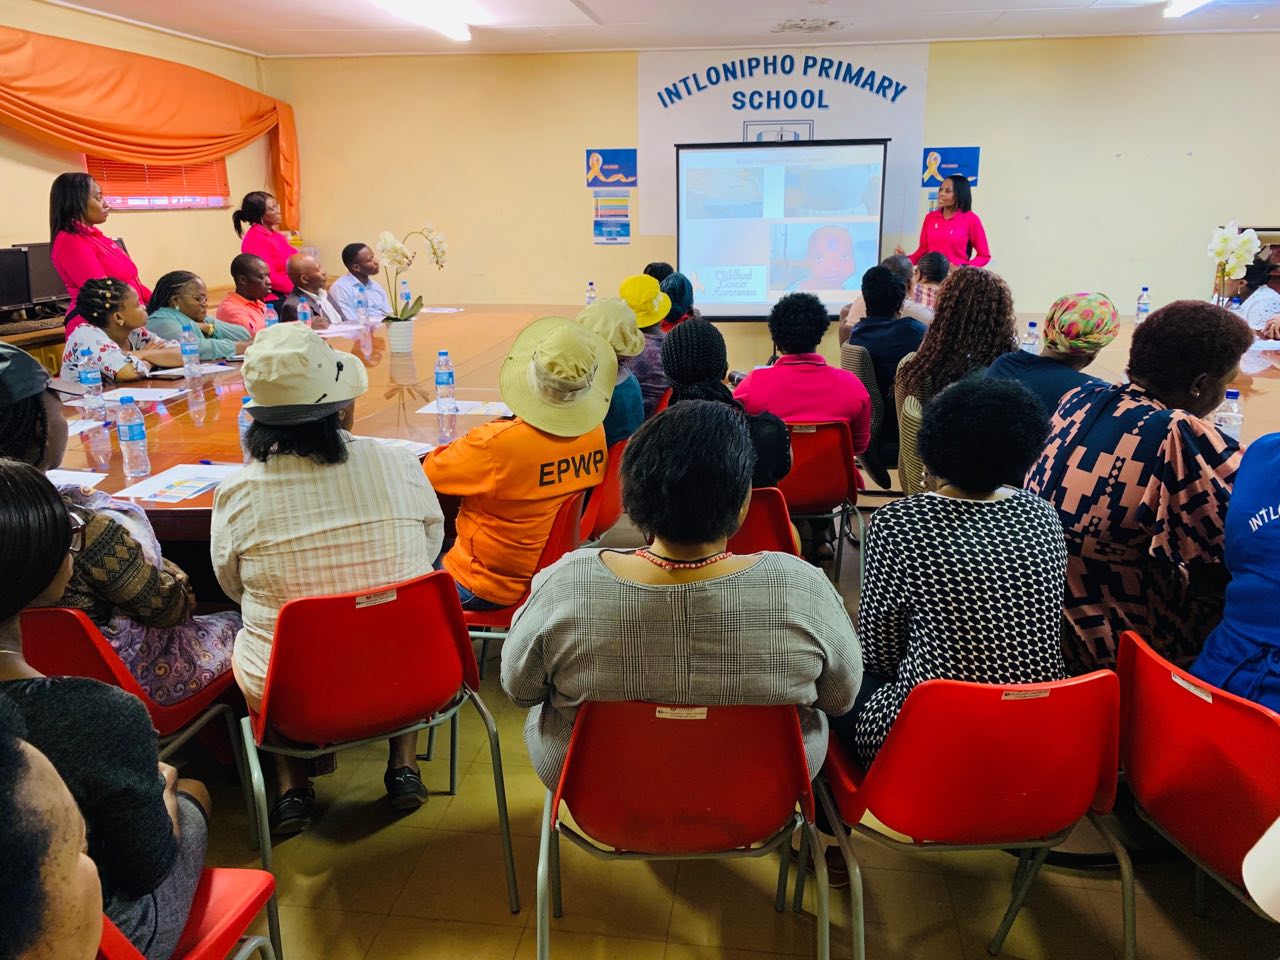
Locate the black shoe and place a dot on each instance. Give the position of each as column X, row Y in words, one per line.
column 292, row 812
column 405, row 788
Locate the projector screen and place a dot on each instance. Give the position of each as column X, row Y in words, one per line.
column 757, row 221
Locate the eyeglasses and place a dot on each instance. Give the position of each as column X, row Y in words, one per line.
column 77, row 534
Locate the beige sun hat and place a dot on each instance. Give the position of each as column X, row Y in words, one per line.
column 294, row 376
column 616, row 322
column 558, row 377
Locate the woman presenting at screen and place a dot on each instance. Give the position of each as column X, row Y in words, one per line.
column 954, row 230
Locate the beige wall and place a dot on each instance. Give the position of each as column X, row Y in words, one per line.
column 199, row 240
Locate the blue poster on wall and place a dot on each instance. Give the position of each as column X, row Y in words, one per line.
column 942, row 162
column 611, row 168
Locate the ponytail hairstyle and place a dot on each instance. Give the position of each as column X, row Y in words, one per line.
column 68, row 198
column 35, row 535
column 933, row 267
column 167, row 288
column 252, row 209
column 100, row 298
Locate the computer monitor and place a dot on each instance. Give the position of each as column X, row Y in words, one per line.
column 46, row 285
column 15, row 290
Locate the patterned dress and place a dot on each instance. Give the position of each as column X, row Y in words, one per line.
column 960, row 590
column 1142, row 492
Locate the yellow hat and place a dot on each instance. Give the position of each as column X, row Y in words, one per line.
column 644, row 295
column 558, row 377
column 294, row 376
column 616, row 322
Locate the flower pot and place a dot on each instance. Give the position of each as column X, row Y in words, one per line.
column 400, row 334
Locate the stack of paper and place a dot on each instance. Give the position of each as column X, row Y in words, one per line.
column 472, row 408
column 181, row 482
column 177, row 373
column 74, row 478
column 419, row 450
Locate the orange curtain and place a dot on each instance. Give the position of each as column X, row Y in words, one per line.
column 125, row 106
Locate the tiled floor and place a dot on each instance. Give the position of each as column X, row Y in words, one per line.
column 366, row 884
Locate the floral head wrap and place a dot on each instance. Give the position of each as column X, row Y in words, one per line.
column 1081, row 323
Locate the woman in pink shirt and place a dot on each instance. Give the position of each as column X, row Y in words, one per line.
column 264, row 239
column 80, row 251
column 954, row 230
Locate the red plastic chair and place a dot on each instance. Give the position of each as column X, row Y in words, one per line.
column 1200, row 761
column 357, row 668
column 767, row 525
column 605, row 506
column 659, row 782
column 970, row 766
column 663, row 402
column 225, row 904
column 565, row 535
column 824, row 481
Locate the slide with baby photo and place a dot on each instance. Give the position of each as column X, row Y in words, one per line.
column 762, row 220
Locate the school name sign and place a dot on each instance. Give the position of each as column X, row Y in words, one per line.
column 809, row 68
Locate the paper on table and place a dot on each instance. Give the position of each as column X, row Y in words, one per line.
column 341, row 330
column 473, row 408
column 177, row 373
column 74, row 478
column 413, row 446
column 77, row 427
column 181, row 482
column 442, row 309
column 1262, row 346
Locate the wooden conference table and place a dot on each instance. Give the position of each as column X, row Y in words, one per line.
column 477, row 338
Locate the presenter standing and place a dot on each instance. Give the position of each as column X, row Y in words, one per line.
column 263, row 239
column 954, row 230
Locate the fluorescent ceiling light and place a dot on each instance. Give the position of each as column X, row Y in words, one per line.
column 452, row 18
column 1176, row 8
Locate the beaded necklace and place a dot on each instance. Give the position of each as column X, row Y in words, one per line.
column 666, row 563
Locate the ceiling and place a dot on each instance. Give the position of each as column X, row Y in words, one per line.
column 288, row 28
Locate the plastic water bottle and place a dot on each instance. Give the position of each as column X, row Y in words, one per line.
column 1031, row 339
column 189, row 343
column 591, row 292
column 1144, row 306
column 272, row 317
column 406, row 297
column 196, row 405
column 445, row 384
column 446, row 427
column 133, row 439
column 362, row 304
column 98, row 442
column 91, row 379
column 1229, row 417
column 304, row 313
column 244, row 422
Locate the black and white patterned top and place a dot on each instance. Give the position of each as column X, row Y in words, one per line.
column 961, row 590
column 775, row 632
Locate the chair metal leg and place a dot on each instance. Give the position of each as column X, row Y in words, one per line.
column 1126, row 886
column 842, row 529
column 261, row 827
column 557, row 900
column 784, row 864
column 862, row 545
column 431, row 745
column 273, row 924
column 238, row 750
column 484, row 652
column 1023, row 886
column 500, row 791
column 824, row 892
column 251, row 945
column 1200, row 899
column 1024, row 859
column 797, row 900
column 453, row 755
column 857, row 905
column 544, row 868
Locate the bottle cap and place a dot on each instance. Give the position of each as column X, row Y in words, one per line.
column 1145, row 289
column 1233, row 394
column 86, row 352
column 1031, row 325
column 125, row 400
column 442, row 353
column 246, row 400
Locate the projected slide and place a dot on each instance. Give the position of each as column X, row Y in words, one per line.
column 759, row 221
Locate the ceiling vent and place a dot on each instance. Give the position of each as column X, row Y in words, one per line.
column 807, row 25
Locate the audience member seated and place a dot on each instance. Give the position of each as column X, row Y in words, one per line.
column 644, row 296
column 659, row 270
column 147, row 830
column 613, row 320
column 680, row 292
column 181, row 296
column 80, row 251
column 260, row 210
column 512, row 474
column 142, row 603
column 308, row 287
column 686, row 482
column 50, row 889
column 316, row 512
column 246, row 306
column 1261, row 309
column 963, row 582
column 888, row 334
column 1141, row 482
column 115, row 331
column 362, row 271
column 900, row 266
column 1078, row 326
column 1242, row 655
column 931, row 270
column 696, row 363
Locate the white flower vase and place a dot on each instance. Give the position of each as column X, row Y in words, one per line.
column 400, row 334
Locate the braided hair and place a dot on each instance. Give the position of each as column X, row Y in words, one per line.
column 24, row 430
column 973, row 323
column 100, row 298
column 695, row 361
column 167, row 288
column 35, row 535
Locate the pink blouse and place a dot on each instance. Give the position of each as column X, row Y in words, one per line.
column 952, row 238
column 273, row 247
column 86, row 253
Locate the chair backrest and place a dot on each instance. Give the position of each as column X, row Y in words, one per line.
column 566, row 531
column 857, row 360
column 655, row 778
column 1200, row 761
column 664, row 401
column 605, row 506
column 767, row 525
column 61, row 642
column 355, row 665
column 910, row 466
column 823, row 473
column 990, row 763
column 114, row 944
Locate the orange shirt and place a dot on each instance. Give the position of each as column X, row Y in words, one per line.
column 250, row 314
column 512, row 478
